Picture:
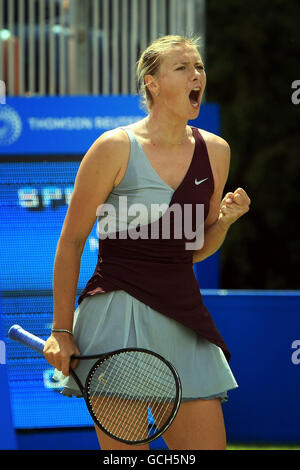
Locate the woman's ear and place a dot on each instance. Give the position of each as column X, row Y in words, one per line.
column 152, row 85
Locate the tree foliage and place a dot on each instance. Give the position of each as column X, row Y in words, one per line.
column 252, row 58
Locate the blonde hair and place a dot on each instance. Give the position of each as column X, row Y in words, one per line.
column 150, row 60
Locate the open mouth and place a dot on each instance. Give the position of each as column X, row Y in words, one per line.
column 194, row 97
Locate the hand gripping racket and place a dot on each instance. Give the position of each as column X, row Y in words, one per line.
column 132, row 394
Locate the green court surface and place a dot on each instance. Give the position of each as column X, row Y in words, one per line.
column 259, row 446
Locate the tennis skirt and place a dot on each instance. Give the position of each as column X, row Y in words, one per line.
column 116, row 320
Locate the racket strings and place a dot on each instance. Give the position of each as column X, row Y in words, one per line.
column 115, row 381
column 159, row 408
column 137, row 411
column 115, row 402
column 137, row 426
column 132, row 388
column 116, row 399
column 124, row 387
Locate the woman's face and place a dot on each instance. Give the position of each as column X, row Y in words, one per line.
column 181, row 71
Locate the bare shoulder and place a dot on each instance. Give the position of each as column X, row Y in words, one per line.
column 97, row 175
column 112, row 144
column 108, row 154
column 215, row 143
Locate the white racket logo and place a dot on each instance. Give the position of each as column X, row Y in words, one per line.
column 102, row 379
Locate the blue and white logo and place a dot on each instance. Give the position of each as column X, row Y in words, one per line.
column 10, row 125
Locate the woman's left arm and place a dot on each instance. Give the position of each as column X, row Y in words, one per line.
column 223, row 212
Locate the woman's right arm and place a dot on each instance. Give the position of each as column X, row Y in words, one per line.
column 99, row 172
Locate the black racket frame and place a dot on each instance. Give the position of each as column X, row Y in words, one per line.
column 103, row 357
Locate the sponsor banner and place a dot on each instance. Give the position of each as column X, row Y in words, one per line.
column 69, row 125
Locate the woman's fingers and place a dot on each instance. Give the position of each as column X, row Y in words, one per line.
column 234, row 205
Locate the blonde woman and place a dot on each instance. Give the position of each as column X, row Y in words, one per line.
column 143, row 292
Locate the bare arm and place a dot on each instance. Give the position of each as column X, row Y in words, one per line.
column 97, row 175
column 223, row 212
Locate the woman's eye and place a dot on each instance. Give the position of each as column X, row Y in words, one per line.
column 198, row 67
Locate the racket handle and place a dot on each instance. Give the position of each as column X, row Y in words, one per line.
column 17, row 333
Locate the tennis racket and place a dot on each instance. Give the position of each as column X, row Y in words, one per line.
column 132, row 394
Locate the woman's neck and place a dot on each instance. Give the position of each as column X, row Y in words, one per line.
column 166, row 132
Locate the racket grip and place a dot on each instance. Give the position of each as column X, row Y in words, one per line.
column 17, row 333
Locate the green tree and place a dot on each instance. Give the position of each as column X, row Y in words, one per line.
column 252, row 58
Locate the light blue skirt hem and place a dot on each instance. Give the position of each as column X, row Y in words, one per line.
column 68, row 392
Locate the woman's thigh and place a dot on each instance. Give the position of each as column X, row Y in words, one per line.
column 130, row 422
column 107, row 443
column 199, row 424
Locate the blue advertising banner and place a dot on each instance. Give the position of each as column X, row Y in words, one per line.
column 69, row 125
column 34, row 197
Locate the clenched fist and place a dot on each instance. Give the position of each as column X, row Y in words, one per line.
column 233, row 206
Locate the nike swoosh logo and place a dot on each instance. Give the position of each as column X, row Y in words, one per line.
column 201, row 181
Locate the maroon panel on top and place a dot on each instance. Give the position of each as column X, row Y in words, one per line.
column 159, row 272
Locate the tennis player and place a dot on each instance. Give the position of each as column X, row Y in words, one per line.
column 143, row 292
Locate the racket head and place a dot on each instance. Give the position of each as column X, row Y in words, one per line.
column 133, row 395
